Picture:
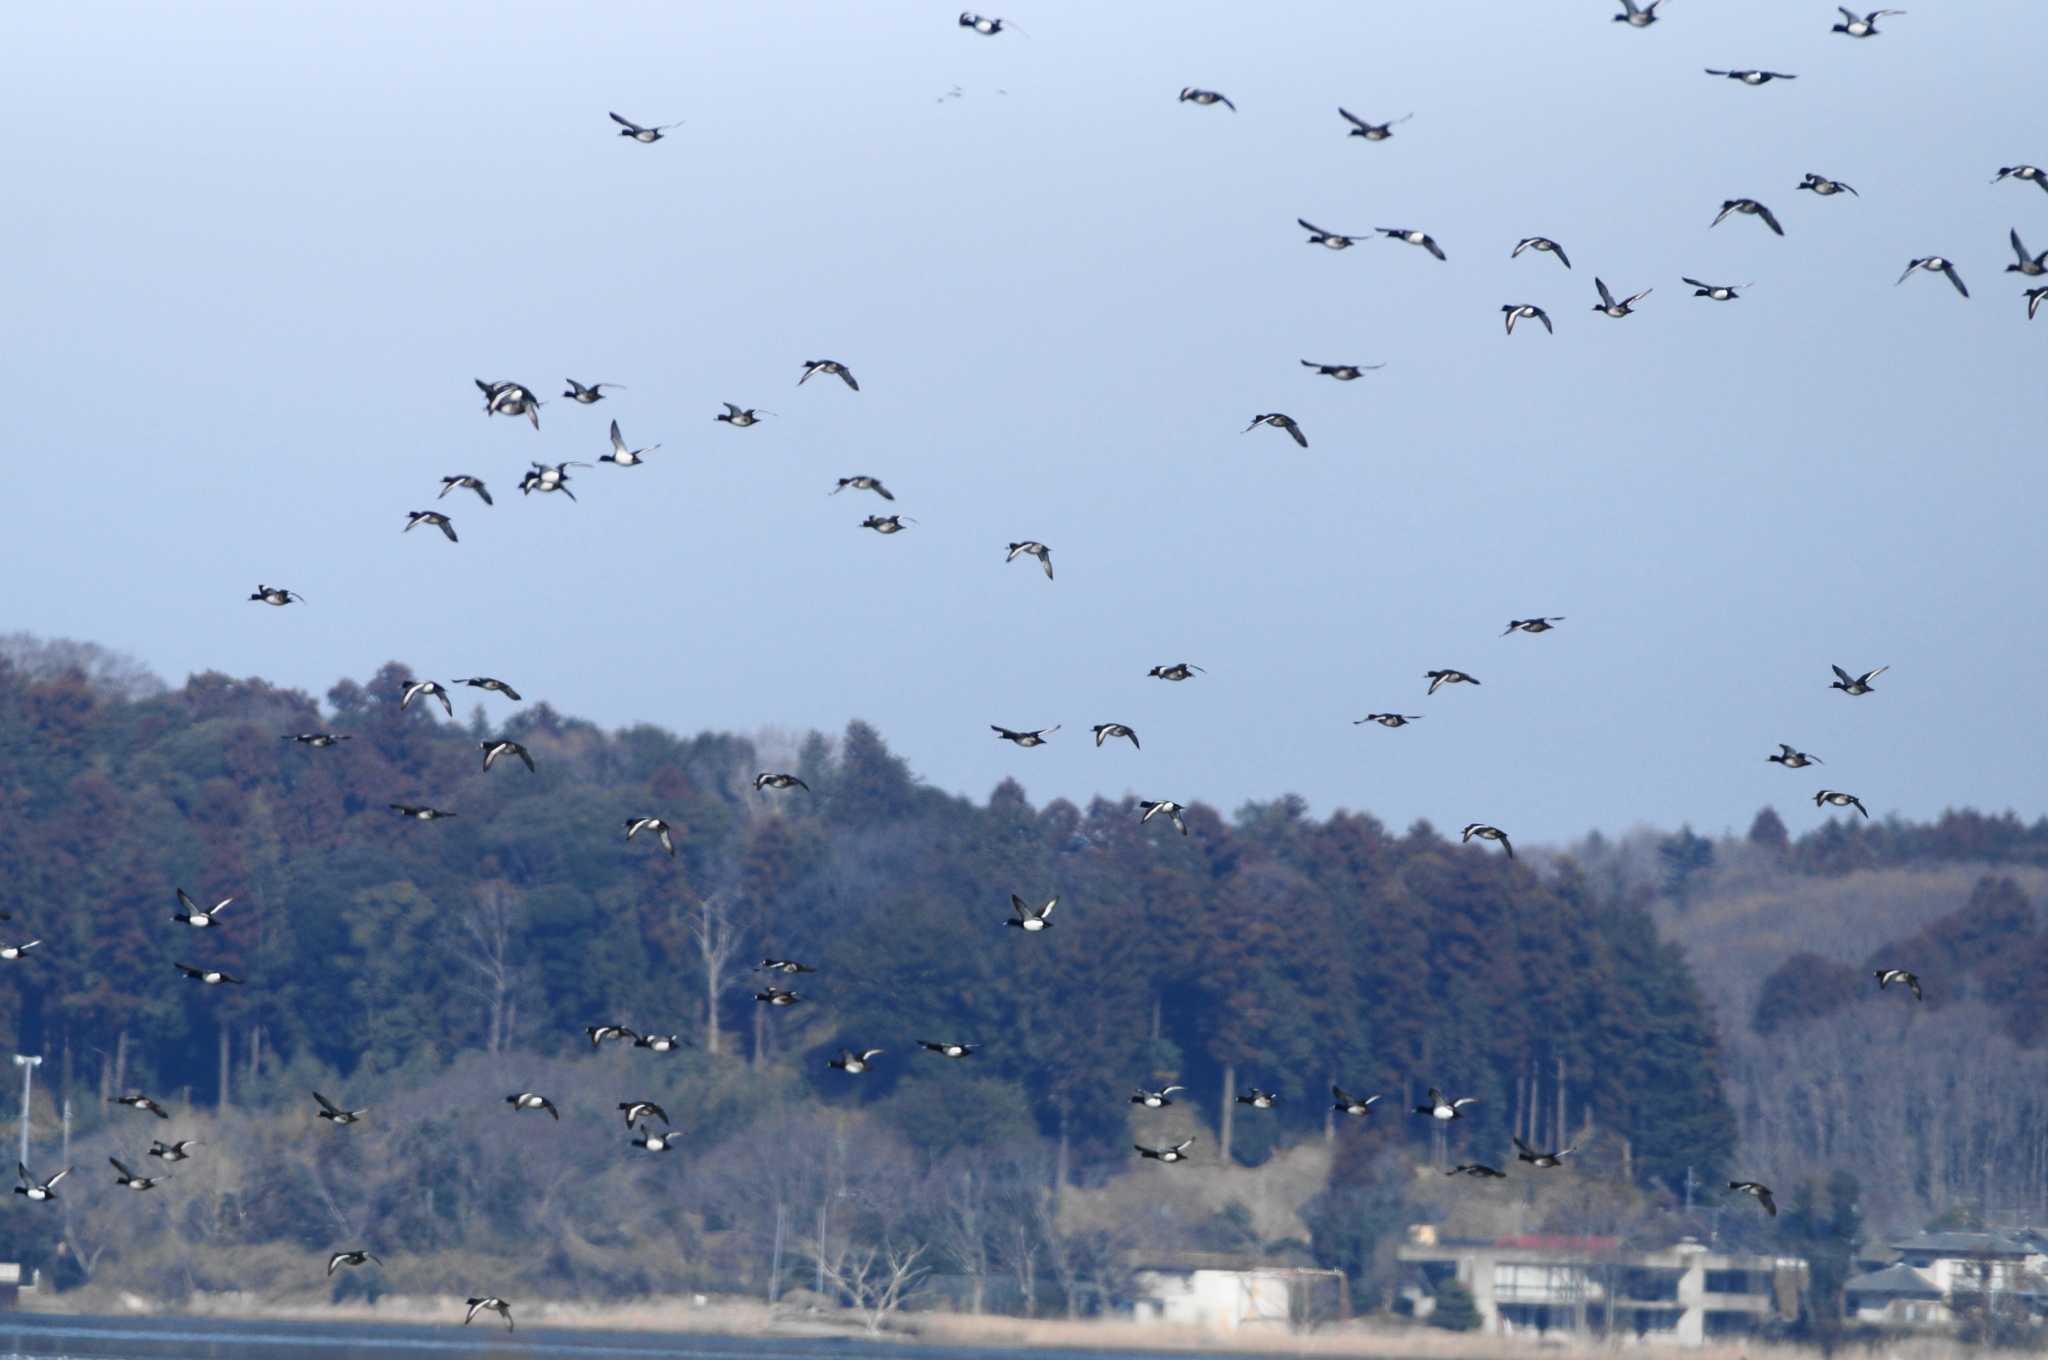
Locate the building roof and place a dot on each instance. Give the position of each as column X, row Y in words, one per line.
column 1899, row 1279
column 1961, row 1244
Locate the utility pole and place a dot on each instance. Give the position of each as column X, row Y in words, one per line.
column 28, row 1066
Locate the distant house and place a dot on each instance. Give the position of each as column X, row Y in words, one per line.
column 1968, row 1260
column 1686, row 1294
column 1898, row 1295
column 10, row 1284
column 1219, row 1292
column 1935, row 1269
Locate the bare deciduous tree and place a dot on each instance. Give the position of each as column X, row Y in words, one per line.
column 875, row 1279
column 487, row 948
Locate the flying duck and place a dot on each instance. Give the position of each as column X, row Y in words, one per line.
column 277, row 596
column 887, row 524
column 1351, row 1105
column 2023, row 172
column 1411, row 236
column 597, row 1034
column 36, row 1190
column 1104, row 731
column 211, row 977
column 1372, row 132
column 1836, row 799
column 1935, row 264
column 658, row 1043
column 1544, row 245
column 1278, row 421
column 1156, row 1100
column 2033, row 266
column 485, row 682
column 133, row 1181
column 988, row 28
column 1027, row 740
column 14, row 951
column 1793, row 760
column 1478, row 1171
column 1329, row 240
column 1719, row 292
column 1177, row 1153
column 1035, row 549
column 852, row 1063
column 510, row 399
column 1761, row 1193
column 776, row 996
column 863, row 482
column 532, row 1100
column 462, row 481
column 191, row 915
column 621, row 456
column 1748, row 207
column 948, row 1050
column 740, row 419
column 594, row 393
column 1609, row 307
column 2034, row 296
column 548, row 477
column 172, row 1152
column 1389, row 719
column 1543, row 625
column 1258, row 1099
column 433, row 519
column 1488, row 833
column 1753, row 77
column 637, row 1110
column 1860, row 684
column 1436, row 1106
column 765, row 780
column 334, row 1114
column 660, row 828
column 1636, row 16
column 493, row 749
column 431, row 690
column 319, row 741
column 1191, row 95
column 1861, row 26
column 495, row 1304
column 1180, row 670
column 1447, row 677
column 1525, row 311
column 1523, row 1152
column 831, row 368
column 647, row 136
column 1030, row 918
column 1341, row 372
column 1825, row 187
column 140, row 1102
column 654, row 1142
column 1167, row 808
column 356, row 1257
column 788, row 967
column 419, row 814
column 1887, row 976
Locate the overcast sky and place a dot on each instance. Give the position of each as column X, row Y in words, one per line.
column 257, row 253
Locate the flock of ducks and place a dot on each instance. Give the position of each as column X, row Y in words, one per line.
column 516, row 400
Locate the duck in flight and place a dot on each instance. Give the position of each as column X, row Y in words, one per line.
column 1861, row 25
column 1488, row 833
column 1351, row 1105
column 594, row 393
column 1542, row 625
column 431, row 690
column 1854, row 685
column 1447, row 677
column 1372, row 132
column 1638, row 16
column 1523, row 1152
column 495, row 1305
column 1191, row 95
column 1031, row 919
column 852, row 1063
column 190, row 914
column 334, row 1114
column 433, row 519
column 1758, row 1191
column 1279, row 421
column 621, row 456
column 1180, row 670
column 1341, row 372
column 658, row 1043
column 787, row 967
column 1027, row 740
column 772, row 995
column 419, row 814
column 1609, row 307
column 1749, row 207
column 2033, row 266
column 831, row 368
column 740, row 419
column 1753, row 77
column 532, row 1100
column 1166, row 808
column 1835, row 798
column 179, row 1151
column 1542, row 245
column 13, row 952
column 637, row 1110
column 510, row 399
column 34, row 1190
column 1935, row 264
column 1177, row 1153
column 547, row 478
column 1104, row 731
column 1389, row 719
column 462, row 481
column 125, row 1177
column 1032, row 548
column 662, row 831
column 210, row 977
column 1413, row 237
column 1793, row 760
column 140, row 1102
column 1155, row 1100
column 655, row 1142
column 276, row 596
column 887, row 524
column 1887, row 976
column 1258, row 1099
column 493, row 749
column 353, row 1257
column 1478, row 1171
column 1824, row 187
column 765, row 780
column 1438, row 1106
column 946, row 1050
column 319, row 741
column 988, row 28
column 863, row 482
column 1328, row 240
column 597, row 1034
column 2030, row 173
column 1719, row 292
column 646, row 136
column 2034, row 297
column 485, row 682
column 1525, row 311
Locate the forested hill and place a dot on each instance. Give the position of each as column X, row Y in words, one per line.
column 1270, row 949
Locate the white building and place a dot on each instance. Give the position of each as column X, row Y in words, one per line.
column 1221, row 1293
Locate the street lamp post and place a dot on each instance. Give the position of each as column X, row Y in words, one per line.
column 28, row 1065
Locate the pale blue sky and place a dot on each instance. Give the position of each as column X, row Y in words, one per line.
column 257, row 253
